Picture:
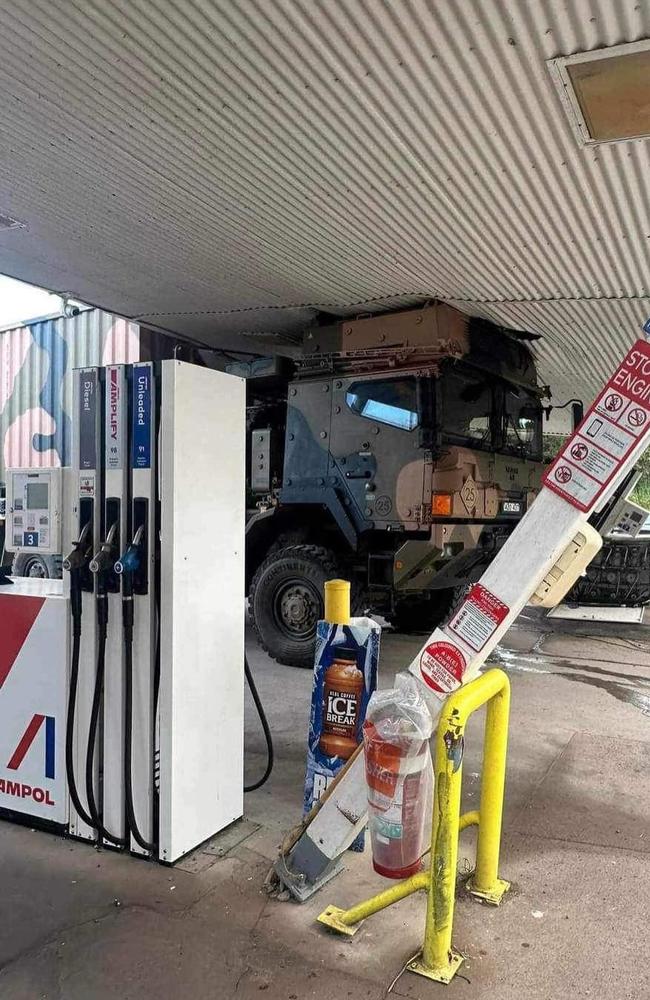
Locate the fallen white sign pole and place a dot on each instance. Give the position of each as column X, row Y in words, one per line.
column 581, row 480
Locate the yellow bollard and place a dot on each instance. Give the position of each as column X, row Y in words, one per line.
column 485, row 883
column 337, row 602
column 438, row 959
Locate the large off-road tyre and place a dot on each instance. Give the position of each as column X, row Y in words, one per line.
column 421, row 615
column 286, row 601
column 619, row 575
column 35, row 565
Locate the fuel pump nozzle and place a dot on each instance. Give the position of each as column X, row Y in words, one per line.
column 104, row 559
column 129, row 562
column 74, row 563
column 81, row 550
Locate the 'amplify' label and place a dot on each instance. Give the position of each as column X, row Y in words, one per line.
column 114, row 417
column 141, row 402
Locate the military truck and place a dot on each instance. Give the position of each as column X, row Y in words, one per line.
column 397, row 451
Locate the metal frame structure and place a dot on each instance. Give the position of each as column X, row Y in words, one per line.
column 438, row 960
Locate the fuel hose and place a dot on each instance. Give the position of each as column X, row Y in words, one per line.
column 270, row 757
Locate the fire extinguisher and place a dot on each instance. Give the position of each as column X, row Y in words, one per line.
column 399, row 778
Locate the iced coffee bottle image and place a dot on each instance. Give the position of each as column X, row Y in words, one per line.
column 342, row 693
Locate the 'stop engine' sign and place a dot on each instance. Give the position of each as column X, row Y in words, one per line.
column 613, row 426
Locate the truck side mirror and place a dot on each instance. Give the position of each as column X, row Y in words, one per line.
column 578, row 412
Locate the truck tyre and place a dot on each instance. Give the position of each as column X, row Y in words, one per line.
column 35, row 565
column 286, row 601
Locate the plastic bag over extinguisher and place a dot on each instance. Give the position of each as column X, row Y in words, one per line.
column 399, row 777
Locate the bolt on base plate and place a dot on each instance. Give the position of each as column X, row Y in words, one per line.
column 441, row 974
column 494, row 896
column 331, row 917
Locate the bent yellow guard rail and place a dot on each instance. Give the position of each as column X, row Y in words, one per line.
column 438, row 959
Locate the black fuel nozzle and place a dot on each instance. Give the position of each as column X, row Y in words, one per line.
column 81, row 551
column 75, row 564
column 104, row 560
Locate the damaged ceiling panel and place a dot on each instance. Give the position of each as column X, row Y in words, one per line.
column 225, row 170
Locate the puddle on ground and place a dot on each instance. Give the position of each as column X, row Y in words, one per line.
column 627, row 688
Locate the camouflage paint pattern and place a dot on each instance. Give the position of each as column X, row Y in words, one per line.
column 36, row 361
column 387, row 476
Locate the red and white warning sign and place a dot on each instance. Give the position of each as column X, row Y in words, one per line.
column 478, row 617
column 442, row 664
column 613, row 426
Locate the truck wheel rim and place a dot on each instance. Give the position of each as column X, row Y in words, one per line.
column 297, row 609
column 36, row 570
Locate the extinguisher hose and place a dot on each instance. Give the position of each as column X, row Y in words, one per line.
column 265, row 726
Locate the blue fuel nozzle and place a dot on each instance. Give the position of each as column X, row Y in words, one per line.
column 129, row 562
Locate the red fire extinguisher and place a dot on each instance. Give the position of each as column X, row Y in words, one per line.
column 399, row 778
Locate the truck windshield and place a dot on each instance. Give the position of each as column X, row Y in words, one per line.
column 467, row 405
column 491, row 415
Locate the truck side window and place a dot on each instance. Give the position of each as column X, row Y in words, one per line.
column 467, row 406
column 523, row 418
column 388, row 401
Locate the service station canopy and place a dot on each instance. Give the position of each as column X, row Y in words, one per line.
column 226, row 169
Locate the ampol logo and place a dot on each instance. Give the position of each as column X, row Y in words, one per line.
column 22, row 790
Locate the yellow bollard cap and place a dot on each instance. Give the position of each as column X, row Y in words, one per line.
column 337, row 602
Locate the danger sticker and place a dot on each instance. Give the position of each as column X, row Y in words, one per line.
column 442, row 666
column 612, row 428
column 478, row 617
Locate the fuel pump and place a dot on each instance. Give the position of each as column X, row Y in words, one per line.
column 145, row 662
column 154, row 740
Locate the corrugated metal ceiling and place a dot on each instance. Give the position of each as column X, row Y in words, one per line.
column 205, row 164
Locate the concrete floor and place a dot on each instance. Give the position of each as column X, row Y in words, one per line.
column 79, row 924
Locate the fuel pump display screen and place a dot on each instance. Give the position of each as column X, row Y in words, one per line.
column 33, row 510
column 37, row 496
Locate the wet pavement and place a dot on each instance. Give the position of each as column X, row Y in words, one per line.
column 76, row 923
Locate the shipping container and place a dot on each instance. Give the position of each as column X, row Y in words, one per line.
column 36, row 361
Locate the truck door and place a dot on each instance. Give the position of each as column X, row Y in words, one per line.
column 375, row 447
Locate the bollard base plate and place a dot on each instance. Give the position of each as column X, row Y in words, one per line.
column 439, row 974
column 331, row 917
column 495, row 894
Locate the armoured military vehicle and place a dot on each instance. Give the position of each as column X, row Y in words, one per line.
column 398, row 451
